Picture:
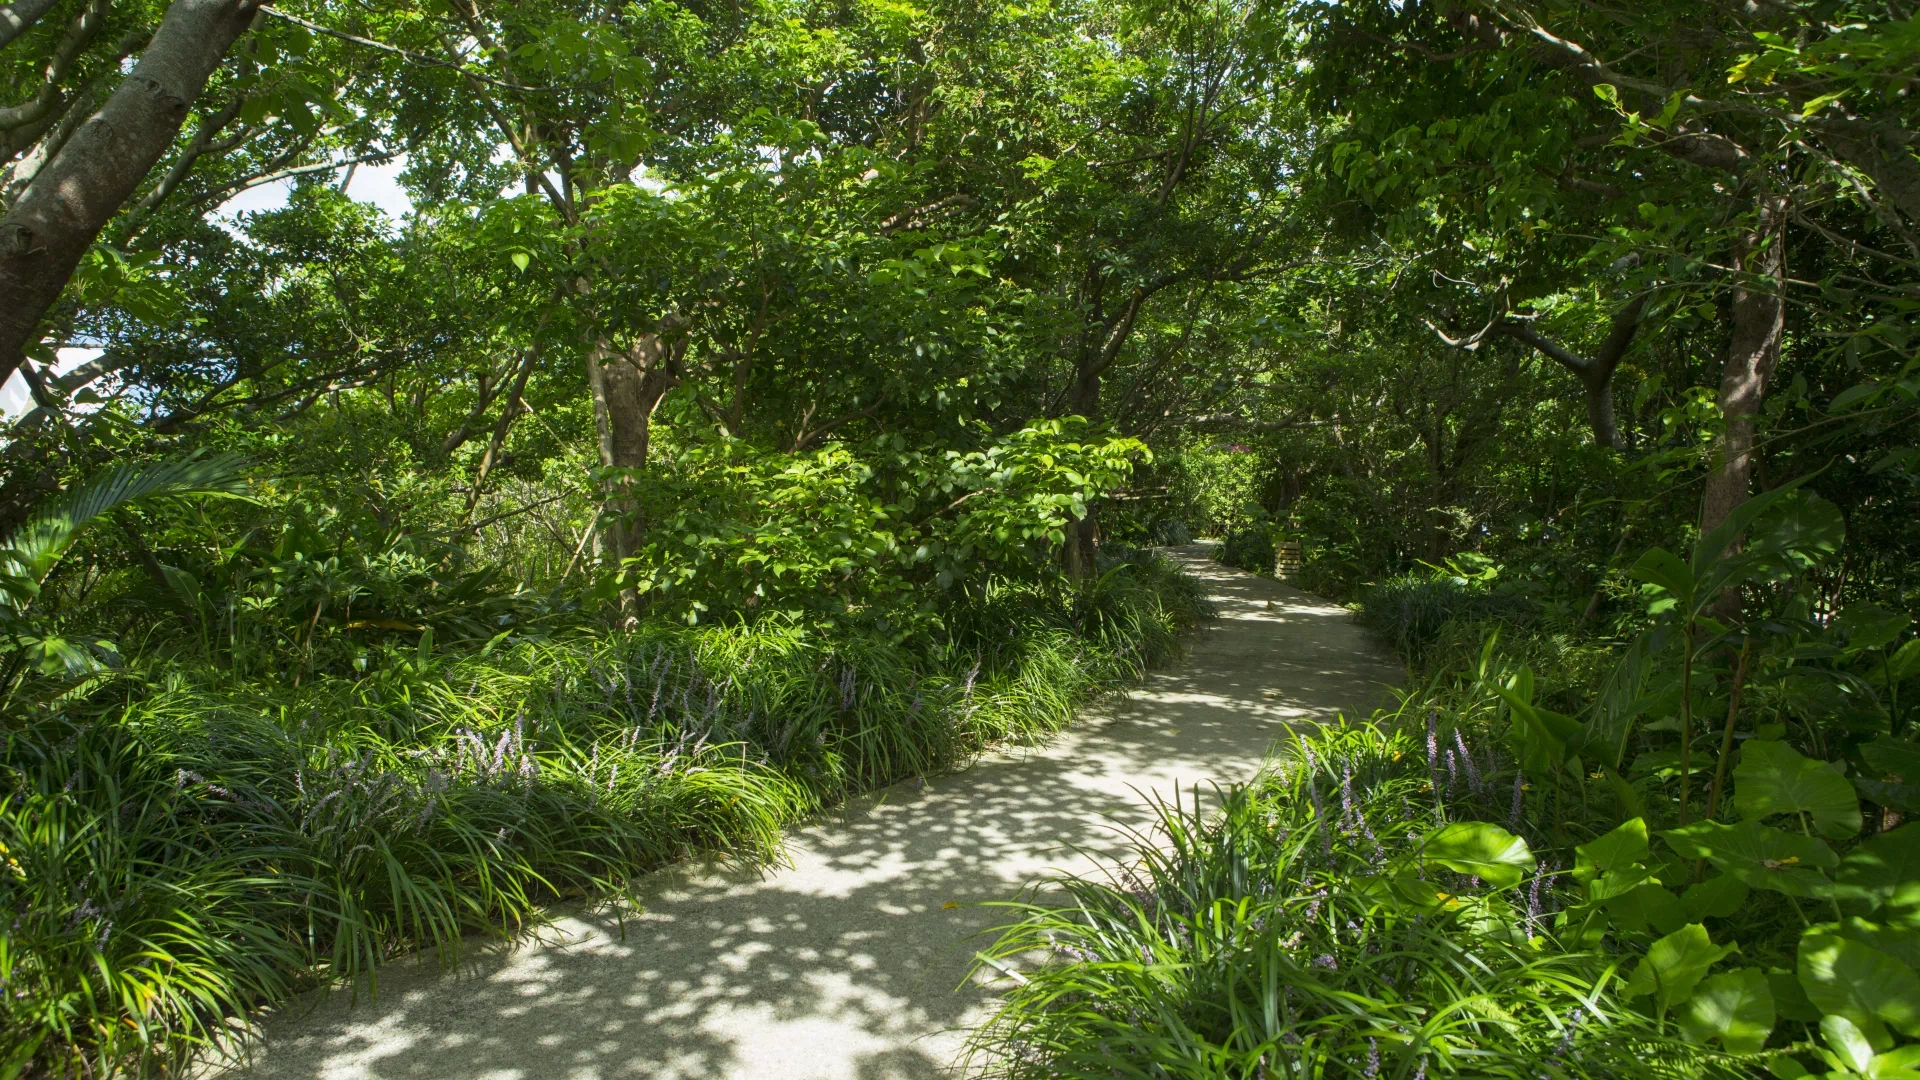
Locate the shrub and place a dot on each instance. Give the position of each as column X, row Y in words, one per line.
column 1171, row 532
column 1250, row 548
column 1411, row 612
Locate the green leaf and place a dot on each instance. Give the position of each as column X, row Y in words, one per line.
column 1821, row 102
column 1489, row 852
column 1774, row 778
column 1869, row 627
column 1647, row 904
column 1760, row 855
column 1790, row 998
column 1844, row 977
column 1902, row 665
column 1891, row 757
column 1735, row 1007
column 1898, row 457
column 1674, row 965
column 1884, row 872
column 1616, row 850
column 1852, row 396
column 1663, row 568
column 521, row 260
column 1898, row 942
column 1853, row 1046
column 31, row 552
column 1720, row 896
column 1786, row 1068
column 1900, row 1063
column 1542, row 739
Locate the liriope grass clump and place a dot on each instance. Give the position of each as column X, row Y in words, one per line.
column 183, row 850
column 1266, row 939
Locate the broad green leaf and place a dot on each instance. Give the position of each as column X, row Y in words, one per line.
column 1418, row 894
column 1720, row 896
column 1902, row 665
column 1543, row 739
column 1790, row 999
column 1786, row 1068
column 1760, row 855
column 1646, row 904
column 1848, row 978
column 1663, row 568
column 1774, row 778
column 1898, row 942
column 1735, row 1007
column 1884, row 872
column 1615, row 850
column 1674, row 965
column 1803, row 530
column 1896, row 760
column 1710, row 560
column 1900, row 1063
column 1489, row 852
column 1869, row 627
column 1854, row 1047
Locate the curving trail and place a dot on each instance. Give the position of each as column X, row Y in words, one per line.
column 851, row 963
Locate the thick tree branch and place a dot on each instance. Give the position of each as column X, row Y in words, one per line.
column 48, row 230
column 18, row 17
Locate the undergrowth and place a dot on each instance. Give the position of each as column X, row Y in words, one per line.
column 184, row 848
column 1322, row 923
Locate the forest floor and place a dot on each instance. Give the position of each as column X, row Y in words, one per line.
column 849, row 962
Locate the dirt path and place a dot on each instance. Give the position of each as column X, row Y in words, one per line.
column 851, row 963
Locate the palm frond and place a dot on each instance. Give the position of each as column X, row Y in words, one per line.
column 31, row 552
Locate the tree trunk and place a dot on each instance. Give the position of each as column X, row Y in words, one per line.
column 48, row 230
column 628, row 384
column 1083, row 535
column 1598, row 384
column 1759, row 320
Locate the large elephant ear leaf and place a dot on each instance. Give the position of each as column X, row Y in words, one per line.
column 1735, row 1007
column 1896, row 759
column 1845, row 977
column 1774, row 778
column 1486, row 851
column 1760, row 855
column 1674, row 965
column 1884, row 873
column 1616, row 850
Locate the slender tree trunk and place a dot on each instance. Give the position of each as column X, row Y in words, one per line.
column 1084, row 400
column 1759, row 320
column 49, row 228
column 628, row 384
column 508, row 414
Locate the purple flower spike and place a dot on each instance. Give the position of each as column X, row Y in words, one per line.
column 1466, row 758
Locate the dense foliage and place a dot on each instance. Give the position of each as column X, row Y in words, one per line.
column 751, row 404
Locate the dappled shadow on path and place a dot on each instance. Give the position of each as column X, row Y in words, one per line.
column 853, row 961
